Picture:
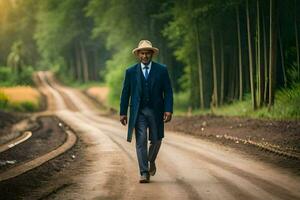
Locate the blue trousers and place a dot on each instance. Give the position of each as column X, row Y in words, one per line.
column 146, row 121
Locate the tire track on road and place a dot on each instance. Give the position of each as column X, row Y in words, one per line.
column 190, row 192
column 267, row 186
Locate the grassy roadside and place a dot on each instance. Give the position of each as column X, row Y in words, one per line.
column 17, row 92
column 286, row 107
column 19, row 99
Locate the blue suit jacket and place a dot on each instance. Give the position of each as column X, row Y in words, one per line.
column 161, row 93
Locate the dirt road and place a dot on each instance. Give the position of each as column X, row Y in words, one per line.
column 188, row 168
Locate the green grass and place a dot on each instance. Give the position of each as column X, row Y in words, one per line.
column 25, row 106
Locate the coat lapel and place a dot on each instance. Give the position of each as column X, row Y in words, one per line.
column 152, row 75
column 138, row 78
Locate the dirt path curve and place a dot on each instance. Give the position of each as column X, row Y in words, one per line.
column 188, row 168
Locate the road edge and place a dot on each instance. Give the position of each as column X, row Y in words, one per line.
column 21, row 169
column 22, row 138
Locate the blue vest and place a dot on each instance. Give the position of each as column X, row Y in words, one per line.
column 146, row 99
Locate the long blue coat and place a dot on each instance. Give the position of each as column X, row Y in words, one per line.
column 161, row 94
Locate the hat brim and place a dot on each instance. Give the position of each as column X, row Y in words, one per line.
column 155, row 50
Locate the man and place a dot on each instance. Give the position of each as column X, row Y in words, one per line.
column 147, row 86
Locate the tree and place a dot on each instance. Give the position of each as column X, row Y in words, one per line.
column 215, row 98
column 251, row 71
column 16, row 58
column 240, row 53
column 200, row 68
column 63, row 27
column 17, row 22
column 273, row 52
column 297, row 40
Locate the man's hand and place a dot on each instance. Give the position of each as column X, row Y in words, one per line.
column 167, row 117
column 123, row 119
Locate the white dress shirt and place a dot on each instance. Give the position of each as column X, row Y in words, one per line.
column 144, row 70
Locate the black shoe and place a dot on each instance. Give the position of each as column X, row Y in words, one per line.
column 145, row 178
column 152, row 169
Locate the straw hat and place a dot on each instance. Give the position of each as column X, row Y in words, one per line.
column 145, row 45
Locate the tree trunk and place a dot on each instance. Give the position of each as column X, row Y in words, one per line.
column 222, row 71
column 297, row 41
column 259, row 66
column 273, row 50
column 231, row 85
column 215, row 82
column 84, row 63
column 252, row 86
column 96, row 65
column 78, row 64
column 240, row 54
column 266, row 71
column 200, row 68
column 231, row 82
column 72, row 68
column 236, row 77
column 282, row 57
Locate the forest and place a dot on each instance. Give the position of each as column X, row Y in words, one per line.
column 218, row 52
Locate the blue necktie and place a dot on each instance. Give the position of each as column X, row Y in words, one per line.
column 146, row 72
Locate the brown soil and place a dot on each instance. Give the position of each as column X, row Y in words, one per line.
column 285, row 134
column 7, row 120
column 282, row 134
column 48, row 137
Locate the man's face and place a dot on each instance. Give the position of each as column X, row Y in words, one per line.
column 145, row 56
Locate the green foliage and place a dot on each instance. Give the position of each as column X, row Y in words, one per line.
column 23, row 107
column 59, row 68
column 15, row 58
column 292, row 74
column 182, row 101
column 5, row 75
column 3, row 100
column 287, row 103
column 8, row 78
column 18, row 25
column 63, row 32
column 51, row 31
column 286, row 106
column 187, row 17
column 115, row 75
column 25, row 78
